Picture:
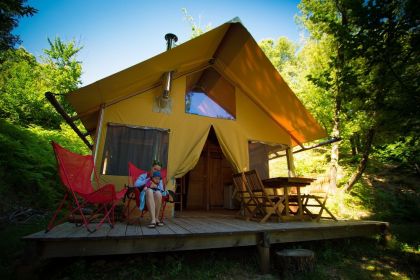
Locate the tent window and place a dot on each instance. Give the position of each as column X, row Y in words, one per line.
column 209, row 94
column 198, row 103
column 140, row 145
column 268, row 159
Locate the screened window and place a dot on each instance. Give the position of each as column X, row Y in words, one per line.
column 139, row 145
column 198, row 103
column 268, row 159
column 209, row 94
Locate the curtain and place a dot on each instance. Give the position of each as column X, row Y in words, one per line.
column 139, row 145
column 258, row 158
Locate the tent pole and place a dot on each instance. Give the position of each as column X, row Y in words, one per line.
column 290, row 162
column 98, row 133
column 329, row 141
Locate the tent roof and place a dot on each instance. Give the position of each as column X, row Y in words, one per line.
column 231, row 50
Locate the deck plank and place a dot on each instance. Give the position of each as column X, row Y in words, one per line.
column 165, row 229
column 62, row 230
column 132, row 230
column 101, row 232
column 78, row 233
column 233, row 224
column 193, row 225
column 118, row 230
column 212, row 225
column 182, row 226
column 178, row 230
column 148, row 231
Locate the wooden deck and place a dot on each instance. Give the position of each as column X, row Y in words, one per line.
column 189, row 233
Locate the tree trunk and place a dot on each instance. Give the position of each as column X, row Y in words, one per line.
column 334, row 149
column 292, row 262
column 363, row 162
column 357, row 142
column 353, row 145
column 337, row 109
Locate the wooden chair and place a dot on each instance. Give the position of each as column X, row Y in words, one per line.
column 249, row 204
column 314, row 202
column 270, row 204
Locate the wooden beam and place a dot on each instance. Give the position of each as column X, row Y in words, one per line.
column 326, row 232
column 51, row 98
column 139, row 244
column 264, row 252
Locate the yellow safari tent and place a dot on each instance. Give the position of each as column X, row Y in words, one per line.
column 226, row 104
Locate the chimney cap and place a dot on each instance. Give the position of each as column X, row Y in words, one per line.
column 171, row 36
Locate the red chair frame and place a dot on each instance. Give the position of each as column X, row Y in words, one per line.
column 75, row 173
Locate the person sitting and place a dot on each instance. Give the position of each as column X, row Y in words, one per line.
column 151, row 186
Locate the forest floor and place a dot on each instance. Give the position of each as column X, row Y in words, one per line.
column 388, row 195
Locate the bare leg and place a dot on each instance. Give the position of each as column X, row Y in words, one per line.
column 158, row 201
column 150, row 202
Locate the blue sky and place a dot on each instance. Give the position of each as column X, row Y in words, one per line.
column 118, row 34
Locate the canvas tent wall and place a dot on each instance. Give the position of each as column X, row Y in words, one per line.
column 266, row 109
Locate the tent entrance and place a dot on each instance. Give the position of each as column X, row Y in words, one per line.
column 208, row 184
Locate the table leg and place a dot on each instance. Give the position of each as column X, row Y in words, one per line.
column 300, row 210
column 286, row 200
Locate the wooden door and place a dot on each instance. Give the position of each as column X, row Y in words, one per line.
column 215, row 177
column 196, row 185
column 206, row 182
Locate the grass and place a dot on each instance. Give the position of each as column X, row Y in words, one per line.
column 11, row 245
column 359, row 258
column 239, row 263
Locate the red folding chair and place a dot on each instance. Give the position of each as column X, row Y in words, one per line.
column 75, row 173
column 134, row 193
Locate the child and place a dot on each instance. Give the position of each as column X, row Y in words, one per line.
column 154, row 181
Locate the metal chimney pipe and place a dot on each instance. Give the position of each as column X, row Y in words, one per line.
column 171, row 39
column 167, row 77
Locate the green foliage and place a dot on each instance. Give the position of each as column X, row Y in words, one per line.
column 282, row 54
column 28, row 174
column 21, row 86
column 60, row 62
column 357, row 258
column 10, row 12
column 371, row 50
column 404, row 151
column 27, row 169
column 313, row 80
column 24, row 80
column 196, row 28
column 311, row 163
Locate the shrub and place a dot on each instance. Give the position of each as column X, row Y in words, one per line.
column 28, row 175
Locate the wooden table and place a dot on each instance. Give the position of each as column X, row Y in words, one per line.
column 285, row 183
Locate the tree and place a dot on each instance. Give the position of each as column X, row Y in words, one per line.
column 63, row 70
column 324, row 20
column 385, row 41
column 24, row 80
column 10, row 12
column 313, row 81
column 196, row 29
column 375, row 58
column 282, row 53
